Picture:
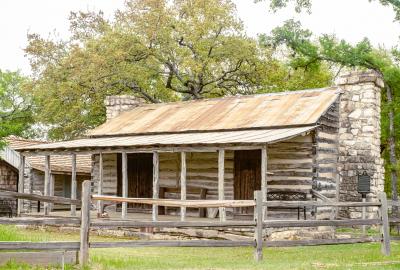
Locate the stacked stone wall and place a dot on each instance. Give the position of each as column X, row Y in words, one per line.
column 359, row 136
column 117, row 104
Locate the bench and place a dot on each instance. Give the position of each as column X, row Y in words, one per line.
column 289, row 196
column 201, row 192
column 6, row 207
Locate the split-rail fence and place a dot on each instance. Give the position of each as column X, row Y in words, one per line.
column 258, row 224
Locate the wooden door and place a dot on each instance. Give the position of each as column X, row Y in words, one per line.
column 247, row 177
column 140, row 177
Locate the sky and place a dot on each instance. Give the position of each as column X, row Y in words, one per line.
column 351, row 20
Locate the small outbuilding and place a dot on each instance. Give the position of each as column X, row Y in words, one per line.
column 34, row 169
column 297, row 145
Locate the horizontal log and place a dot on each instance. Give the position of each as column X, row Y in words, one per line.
column 39, row 221
column 393, row 203
column 40, row 258
column 178, row 203
column 169, row 224
column 36, row 197
column 173, row 243
column 39, row 245
column 318, row 242
column 316, row 223
column 319, row 204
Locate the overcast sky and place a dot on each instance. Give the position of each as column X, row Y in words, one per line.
column 348, row 19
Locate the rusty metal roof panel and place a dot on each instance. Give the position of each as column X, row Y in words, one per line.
column 177, row 139
column 295, row 108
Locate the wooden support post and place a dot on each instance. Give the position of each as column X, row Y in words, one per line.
column 21, row 183
column 85, row 221
column 100, row 186
column 52, row 183
column 221, row 184
column 183, row 184
column 73, row 183
column 264, row 160
column 258, row 230
column 124, row 184
column 385, row 247
column 156, row 184
column 363, row 215
column 47, row 175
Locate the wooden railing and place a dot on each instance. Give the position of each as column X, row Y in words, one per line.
column 258, row 224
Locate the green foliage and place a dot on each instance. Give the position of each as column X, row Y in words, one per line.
column 306, row 52
column 158, row 51
column 306, row 5
column 15, row 106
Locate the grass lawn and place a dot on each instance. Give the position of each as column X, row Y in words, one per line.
column 357, row 256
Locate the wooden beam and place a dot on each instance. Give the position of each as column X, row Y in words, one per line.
column 320, row 204
column 316, row 223
column 85, row 223
column 100, row 185
column 169, row 224
column 385, row 230
column 21, row 178
column 39, row 258
column 183, row 184
column 22, row 245
column 221, row 184
column 174, row 243
column 40, row 221
column 179, row 203
column 47, row 175
column 35, row 197
column 52, row 184
column 156, row 183
column 264, row 161
column 73, row 184
column 258, row 230
column 124, row 183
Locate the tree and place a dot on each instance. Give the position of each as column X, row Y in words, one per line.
column 15, row 106
column 306, row 4
column 327, row 48
column 156, row 50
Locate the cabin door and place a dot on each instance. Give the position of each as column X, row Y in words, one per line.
column 140, row 178
column 247, row 177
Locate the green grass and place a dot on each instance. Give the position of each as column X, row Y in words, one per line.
column 357, row 256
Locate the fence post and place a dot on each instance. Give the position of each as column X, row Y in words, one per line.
column 385, row 248
column 258, row 229
column 85, row 220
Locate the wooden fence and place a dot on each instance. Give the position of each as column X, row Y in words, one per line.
column 258, row 224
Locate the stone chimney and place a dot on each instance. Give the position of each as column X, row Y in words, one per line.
column 117, row 104
column 359, row 134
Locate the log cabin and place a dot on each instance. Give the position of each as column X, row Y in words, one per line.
column 33, row 173
column 295, row 145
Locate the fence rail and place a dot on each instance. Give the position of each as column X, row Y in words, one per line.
column 258, row 224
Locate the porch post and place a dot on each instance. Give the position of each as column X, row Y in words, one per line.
column 47, row 175
column 183, row 184
column 156, row 184
column 21, row 183
column 100, row 186
column 52, row 183
column 73, row 183
column 264, row 160
column 221, row 186
column 124, row 183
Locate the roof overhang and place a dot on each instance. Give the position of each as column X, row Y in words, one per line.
column 168, row 142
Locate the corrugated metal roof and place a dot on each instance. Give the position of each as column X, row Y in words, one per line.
column 58, row 164
column 178, row 139
column 296, row 108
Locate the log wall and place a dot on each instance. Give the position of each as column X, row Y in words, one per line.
column 326, row 158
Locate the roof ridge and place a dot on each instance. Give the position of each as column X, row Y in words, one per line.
column 288, row 92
